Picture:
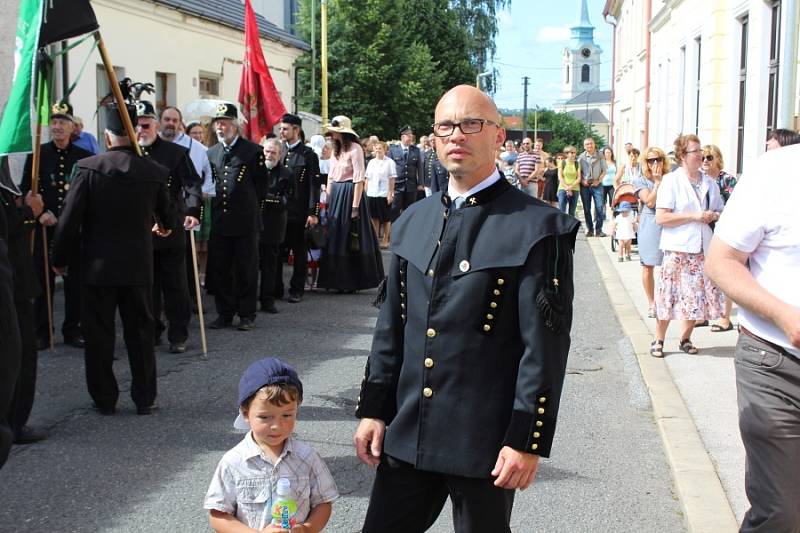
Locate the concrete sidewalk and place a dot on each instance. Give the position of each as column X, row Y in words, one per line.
column 694, row 399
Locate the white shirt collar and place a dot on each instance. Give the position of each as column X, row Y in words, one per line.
column 233, row 142
column 484, row 184
column 293, row 144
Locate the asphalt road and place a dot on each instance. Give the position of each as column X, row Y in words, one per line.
column 130, row 473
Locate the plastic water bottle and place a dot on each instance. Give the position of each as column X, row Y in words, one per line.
column 284, row 506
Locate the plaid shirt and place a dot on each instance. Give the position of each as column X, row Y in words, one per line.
column 245, row 481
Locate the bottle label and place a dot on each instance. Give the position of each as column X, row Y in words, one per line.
column 283, row 513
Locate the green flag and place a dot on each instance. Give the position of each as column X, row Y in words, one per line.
column 15, row 125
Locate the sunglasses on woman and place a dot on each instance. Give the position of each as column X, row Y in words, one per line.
column 653, row 160
column 708, row 158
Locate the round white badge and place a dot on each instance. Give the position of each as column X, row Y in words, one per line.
column 464, row 266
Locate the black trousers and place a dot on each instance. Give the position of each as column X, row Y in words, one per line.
column 25, row 386
column 171, row 293
column 268, row 261
column 71, row 327
column 407, row 500
column 99, row 309
column 295, row 241
column 401, row 201
column 10, row 354
column 233, row 265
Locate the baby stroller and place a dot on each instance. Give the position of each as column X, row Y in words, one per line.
column 624, row 193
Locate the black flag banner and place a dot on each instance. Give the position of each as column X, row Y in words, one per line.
column 64, row 19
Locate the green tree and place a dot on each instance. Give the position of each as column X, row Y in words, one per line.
column 382, row 73
column 566, row 130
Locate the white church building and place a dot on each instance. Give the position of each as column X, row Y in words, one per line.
column 580, row 90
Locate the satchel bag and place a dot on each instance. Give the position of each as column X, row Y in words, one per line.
column 315, row 237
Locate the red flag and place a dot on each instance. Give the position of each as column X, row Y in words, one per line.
column 261, row 104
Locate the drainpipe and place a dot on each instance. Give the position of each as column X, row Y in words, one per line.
column 788, row 78
column 646, row 135
column 613, row 23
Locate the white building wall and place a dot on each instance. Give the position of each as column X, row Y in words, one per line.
column 145, row 38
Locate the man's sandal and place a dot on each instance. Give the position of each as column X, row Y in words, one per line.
column 687, row 346
column 657, row 348
column 716, row 328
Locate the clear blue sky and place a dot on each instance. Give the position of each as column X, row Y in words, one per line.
column 531, row 38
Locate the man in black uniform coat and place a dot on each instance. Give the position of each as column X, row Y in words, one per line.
column 19, row 358
column 303, row 162
column 436, row 176
column 273, row 221
column 462, row 386
column 169, row 260
column 241, row 178
column 409, row 184
column 58, row 158
column 109, row 212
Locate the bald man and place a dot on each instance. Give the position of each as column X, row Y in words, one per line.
column 462, row 386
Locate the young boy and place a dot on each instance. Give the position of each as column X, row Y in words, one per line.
column 241, row 491
column 624, row 230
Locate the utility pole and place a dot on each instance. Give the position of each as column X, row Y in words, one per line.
column 324, row 58
column 525, row 81
column 313, row 49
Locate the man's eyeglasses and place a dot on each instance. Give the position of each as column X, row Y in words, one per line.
column 653, row 160
column 708, row 158
column 143, row 126
column 695, row 151
column 467, row 126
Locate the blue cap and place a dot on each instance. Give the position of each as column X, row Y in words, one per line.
column 624, row 206
column 267, row 371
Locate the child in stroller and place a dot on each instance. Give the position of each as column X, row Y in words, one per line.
column 623, row 230
column 624, row 193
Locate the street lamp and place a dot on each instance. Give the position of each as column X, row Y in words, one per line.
column 481, row 75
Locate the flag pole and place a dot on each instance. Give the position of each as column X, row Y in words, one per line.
column 112, row 80
column 323, row 56
column 47, row 292
column 198, row 294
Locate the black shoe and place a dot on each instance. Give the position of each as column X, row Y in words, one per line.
column 105, row 411
column 76, row 341
column 590, row 234
column 221, row 323
column 146, row 409
column 601, row 234
column 29, row 435
column 246, row 324
column 42, row 344
column 269, row 308
column 295, row 298
column 177, row 347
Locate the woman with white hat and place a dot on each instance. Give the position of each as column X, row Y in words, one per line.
column 352, row 259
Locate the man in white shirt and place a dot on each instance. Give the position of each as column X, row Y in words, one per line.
column 755, row 259
column 170, row 122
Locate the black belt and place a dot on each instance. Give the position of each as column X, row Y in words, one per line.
column 780, row 349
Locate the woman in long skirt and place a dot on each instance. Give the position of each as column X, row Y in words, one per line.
column 352, row 259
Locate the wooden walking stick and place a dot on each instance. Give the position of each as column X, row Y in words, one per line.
column 48, row 294
column 197, row 293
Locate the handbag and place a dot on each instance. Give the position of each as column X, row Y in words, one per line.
column 315, row 237
column 354, row 237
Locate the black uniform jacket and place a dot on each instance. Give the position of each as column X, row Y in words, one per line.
column 471, row 343
column 113, row 201
column 20, row 223
column 304, row 190
column 273, row 206
column 409, row 168
column 240, row 177
column 55, row 172
column 183, row 185
column 436, row 176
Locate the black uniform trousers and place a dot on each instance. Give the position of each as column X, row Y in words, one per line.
column 171, row 293
column 71, row 327
column 99, row 309
column 407, row 500
column 269, row 261
column 25, row 386
column 233, row 265
column 295, row 241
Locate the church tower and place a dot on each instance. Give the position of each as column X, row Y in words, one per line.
column 581, row 61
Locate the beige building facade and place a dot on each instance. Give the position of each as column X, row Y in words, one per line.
column 186, row 55
column 724, row 70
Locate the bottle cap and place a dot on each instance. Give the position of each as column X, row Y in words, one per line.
column 284, row 487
